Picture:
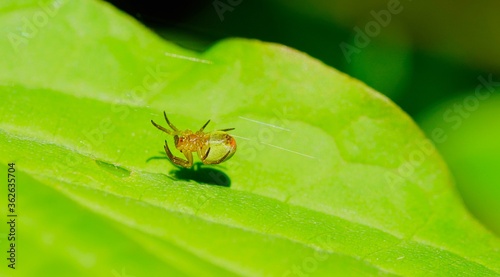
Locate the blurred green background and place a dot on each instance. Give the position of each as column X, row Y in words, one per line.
column 438, row 61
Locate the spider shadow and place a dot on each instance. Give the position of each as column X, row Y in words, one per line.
column 198, row 173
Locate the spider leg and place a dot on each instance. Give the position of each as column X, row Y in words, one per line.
column 162, row 128
column 201, row 130
column 225, row 130
column 189, row 157
column 217, row 161
column 168, row 122
column 177, row 160
column 204, row 156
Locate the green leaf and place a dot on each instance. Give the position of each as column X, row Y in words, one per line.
column 329, row 178
column 63, row 238
column 469, row 143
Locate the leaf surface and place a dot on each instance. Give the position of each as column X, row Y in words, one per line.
column 329, row 176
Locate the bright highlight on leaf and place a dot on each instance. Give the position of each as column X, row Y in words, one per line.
column 367, row 200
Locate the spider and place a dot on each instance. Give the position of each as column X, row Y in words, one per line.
column 212, row 148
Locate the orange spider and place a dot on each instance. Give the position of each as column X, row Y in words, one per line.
column 212, row 148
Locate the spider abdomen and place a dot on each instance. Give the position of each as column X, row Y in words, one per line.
column 222, row 146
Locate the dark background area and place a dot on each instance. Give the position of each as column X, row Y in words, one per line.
column 196, row 24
